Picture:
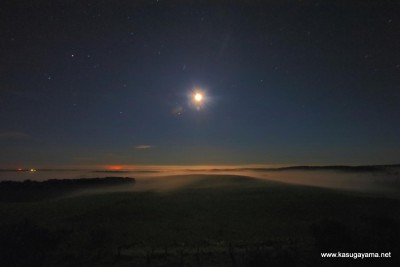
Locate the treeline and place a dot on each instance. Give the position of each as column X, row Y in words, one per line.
column 28, row 190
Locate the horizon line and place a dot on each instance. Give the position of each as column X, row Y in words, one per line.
column 133, row 168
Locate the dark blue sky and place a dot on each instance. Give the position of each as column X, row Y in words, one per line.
column 88, row 83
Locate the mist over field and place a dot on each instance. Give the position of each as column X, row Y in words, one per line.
column 198, row 216
column 385, row 182
column 199, row 133
column 371, row 179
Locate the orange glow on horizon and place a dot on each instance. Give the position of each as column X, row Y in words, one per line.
column 186, row 167
column 114, row 167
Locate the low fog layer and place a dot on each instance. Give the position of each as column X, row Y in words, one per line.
column 384, row 179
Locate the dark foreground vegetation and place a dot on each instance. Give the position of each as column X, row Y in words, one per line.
column 215, row 221
column 28, row 190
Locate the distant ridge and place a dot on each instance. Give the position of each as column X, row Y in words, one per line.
column 349, row 168
column 361, row 168
column 346, row 168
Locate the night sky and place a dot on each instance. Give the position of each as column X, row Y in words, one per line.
column 93, row 83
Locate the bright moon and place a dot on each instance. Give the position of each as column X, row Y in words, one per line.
column 198, row 97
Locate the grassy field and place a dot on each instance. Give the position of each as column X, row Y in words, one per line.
column 216, row 220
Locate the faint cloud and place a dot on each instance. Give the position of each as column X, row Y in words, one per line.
column 143, row 147
column 177, row 111
column 14, row 135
